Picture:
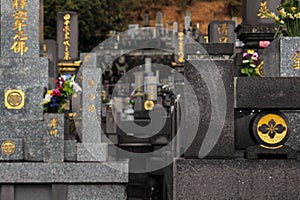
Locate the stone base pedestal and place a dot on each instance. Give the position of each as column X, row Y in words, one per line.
column 64, row 181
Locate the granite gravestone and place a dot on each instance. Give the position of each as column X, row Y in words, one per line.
column 29, row 136
column 67, row 36
column 222, row 32
column 196, row 68
column 282, row 58
column 91, row 148
column 23, row 77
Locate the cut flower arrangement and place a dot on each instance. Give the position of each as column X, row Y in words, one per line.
column 288, row 19
column 251, row 64
column 56, row 100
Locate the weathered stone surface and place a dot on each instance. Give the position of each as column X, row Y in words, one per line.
column 54, row 138
column 92, row 152
column 31, row 30
column 28, row 75
column 224, row 146
column 17, row 152
column 22, row 129
column 268, row 92
column 294, row 128
column 34, row 149
column 278, row 58
column 70, row 150
column 237, row 179
column 112, row 192
column 91, row 106
column 108, row 172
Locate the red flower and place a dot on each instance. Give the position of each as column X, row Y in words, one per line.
column 55, row 93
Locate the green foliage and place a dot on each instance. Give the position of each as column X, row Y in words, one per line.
column 96, row 19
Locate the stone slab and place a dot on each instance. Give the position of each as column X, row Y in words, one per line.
column 210, row 48
column 278, row 58
column 54, row 143
column 28, row 75
column 237, row 179
column 30, row 130
column 92, row 152
column 31, row 30
column 294, row 128
column 112, row 192
column 23, row 72
column 33, row 192
column 34, row 149
column 91, row 105
column 268, row 92
column 104, row 172
column 17, row 151
column 70, row 150
column 224, row 146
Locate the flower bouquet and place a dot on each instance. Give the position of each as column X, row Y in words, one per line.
column 56, row 100
column 251, row 63
column 288, row 19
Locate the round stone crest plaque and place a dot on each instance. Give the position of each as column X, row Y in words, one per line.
column 270, row 129
column 8, row 147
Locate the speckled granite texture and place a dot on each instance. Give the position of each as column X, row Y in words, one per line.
column 237, row 179
column 31, row 30
column 278, row 59
column 105, row 172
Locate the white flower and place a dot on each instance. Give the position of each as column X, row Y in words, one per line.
column 75, row 86
column 47, row 99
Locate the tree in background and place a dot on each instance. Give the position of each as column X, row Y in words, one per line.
column 96, row 19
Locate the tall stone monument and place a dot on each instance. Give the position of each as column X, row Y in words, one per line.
column 36, row 139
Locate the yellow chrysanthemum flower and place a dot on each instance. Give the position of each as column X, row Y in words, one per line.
column 293, row 8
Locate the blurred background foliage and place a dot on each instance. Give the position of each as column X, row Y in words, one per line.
column 98, row 17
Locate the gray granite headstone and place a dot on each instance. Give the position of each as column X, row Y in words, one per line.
column 30, row 30
column 54, row 138
column 196, row 68
column 23, row 70
column 281, row 56
column 91, row 148
column 222, row 32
